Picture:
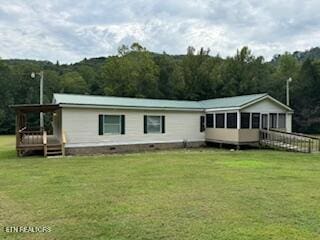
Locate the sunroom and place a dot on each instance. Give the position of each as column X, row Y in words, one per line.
column 241, row 124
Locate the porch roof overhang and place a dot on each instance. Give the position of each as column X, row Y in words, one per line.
column 25, row 108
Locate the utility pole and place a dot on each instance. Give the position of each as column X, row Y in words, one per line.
column 288, row 92
column 33, row 75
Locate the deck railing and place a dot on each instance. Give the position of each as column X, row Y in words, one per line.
column 289, row 141
column 30, row 137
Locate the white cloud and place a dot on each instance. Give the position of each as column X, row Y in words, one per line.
column 68, row 30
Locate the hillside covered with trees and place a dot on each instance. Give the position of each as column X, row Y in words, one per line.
column 136, row 72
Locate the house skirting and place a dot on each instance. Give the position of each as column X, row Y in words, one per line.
column 249, row 143
column 126, row 148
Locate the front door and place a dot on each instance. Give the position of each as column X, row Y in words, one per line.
column 265, row 121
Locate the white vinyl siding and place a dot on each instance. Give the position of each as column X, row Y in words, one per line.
column 81, row 124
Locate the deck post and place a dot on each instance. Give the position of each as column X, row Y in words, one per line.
column 309, row 145
column 45, row 146
column 64, row 141
column 17, row 133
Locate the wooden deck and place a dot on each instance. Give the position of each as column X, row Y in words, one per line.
column 28, row 141
column 39, row 141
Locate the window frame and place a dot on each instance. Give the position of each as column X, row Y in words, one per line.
column 160, row 124
column 223, row 122
column 273, row 118
column 242, row 114
column 119, row 123
column 252, row 120
column 234, row 124
column 210, row 124
column 284, row 121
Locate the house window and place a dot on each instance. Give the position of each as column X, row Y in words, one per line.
column 255, row 120
column 154, row 124
column 209, row 121
column 245, row 120
column 112, row 124
column 282, row 120
column 231, row 120
column 265, row 121
column 220, row 120
column 273, row 120
column 202, row 124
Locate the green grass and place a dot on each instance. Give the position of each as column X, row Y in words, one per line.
column 185, row 194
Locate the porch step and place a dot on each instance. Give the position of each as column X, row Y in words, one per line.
column 54, row 152
column 54, row 148
column 54, row 145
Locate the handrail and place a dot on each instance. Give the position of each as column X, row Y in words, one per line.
column 22, row 129
column 64, row 139
column 27, row 132
column 289, row 141
column 295, row 134
column 30, row 137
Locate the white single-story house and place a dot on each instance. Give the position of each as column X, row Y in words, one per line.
column 87, row 124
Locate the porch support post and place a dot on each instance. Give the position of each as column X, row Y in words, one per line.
column 17, row 132
column 238, row 119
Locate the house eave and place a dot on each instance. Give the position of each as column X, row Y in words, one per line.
column 113, row 107
column 222, row 109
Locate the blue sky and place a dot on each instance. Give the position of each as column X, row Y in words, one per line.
column 69, row 31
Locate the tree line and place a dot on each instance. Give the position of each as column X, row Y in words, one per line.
column 137, row 72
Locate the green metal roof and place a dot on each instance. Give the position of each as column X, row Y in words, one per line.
column 228, row 102
column 124, row 101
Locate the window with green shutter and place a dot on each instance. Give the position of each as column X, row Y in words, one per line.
column 111, row 124
column 154, row 124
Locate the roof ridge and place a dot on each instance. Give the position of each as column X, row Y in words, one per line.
column 247, row 95
column 138, row 98
column 159, row 99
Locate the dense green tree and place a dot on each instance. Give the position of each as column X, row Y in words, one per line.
column 6, row 98
column 191, row 64
column 73, row 82
column 136, row 72
column 287, row 67
column 306, row 97
column 171, row 80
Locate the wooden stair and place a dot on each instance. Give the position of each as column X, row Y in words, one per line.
column 296, row 142
column 53, row 146
column 54, row 150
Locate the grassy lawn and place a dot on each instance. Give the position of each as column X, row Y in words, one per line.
column 184, row 194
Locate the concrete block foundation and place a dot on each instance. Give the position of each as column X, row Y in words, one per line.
column 94, row 150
